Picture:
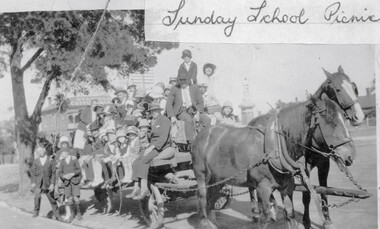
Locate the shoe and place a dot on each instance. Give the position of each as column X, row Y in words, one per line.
column 87, row 185
column 35, row 214
column 134, row 193
column 126, row 185
column 142, row 195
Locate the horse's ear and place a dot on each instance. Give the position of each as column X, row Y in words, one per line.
column 340, row 69
column 328, row 74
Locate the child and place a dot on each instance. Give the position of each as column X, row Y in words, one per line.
column 43, row 180
column 110, row 157
column 188, row 67
column 71, row 175
column 64, row 145
column 133, row 151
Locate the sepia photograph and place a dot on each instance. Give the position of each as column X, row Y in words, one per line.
column 101, row 128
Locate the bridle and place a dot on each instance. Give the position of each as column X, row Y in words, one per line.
column 336, row 98
column 314, row 125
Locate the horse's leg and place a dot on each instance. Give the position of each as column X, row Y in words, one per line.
column 264, row 192
column 306, row 202
column 287, row 199
column 254, row 204
column 323, row 172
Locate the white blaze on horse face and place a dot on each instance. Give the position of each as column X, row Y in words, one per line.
column 359, row 114
column 347, row 86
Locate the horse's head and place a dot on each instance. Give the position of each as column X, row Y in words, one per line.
column 339, row 88
column 330, row 133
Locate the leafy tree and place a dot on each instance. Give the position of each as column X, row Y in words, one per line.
column 58, row 40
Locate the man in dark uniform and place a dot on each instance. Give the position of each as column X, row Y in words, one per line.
column 185, row 102
column 43, row 180
column 159, row 147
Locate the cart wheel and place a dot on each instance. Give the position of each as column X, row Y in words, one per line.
column 152, row 208
column 222, row 199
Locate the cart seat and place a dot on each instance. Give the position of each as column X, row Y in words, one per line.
column 173, row 161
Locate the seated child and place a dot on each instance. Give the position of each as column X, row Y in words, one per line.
column 133, row 151
column 71, row 175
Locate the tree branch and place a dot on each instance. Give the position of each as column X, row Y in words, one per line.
column 32, row 59
column 36, row 116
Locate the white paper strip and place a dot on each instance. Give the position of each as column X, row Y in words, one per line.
column 263, row 21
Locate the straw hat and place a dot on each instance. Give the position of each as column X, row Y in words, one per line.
column 62, row 140
column 132, row 130
column 228, row 104
column 172, row 79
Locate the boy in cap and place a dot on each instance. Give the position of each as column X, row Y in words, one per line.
column 188, row 67
column 172, row 81
column 71, row 175
column 43, row 180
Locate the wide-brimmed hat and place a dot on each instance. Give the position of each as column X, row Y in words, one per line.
column 157, row 92
column 120, row 89
column 131, row 83
column 186, row 53
column 98, row 108
column 227, row 104
column 121, row 133
column 62, row 140
column 144, row 123
column 132, row 130
column 171, row 79
column 209, row 65
column 154, row 106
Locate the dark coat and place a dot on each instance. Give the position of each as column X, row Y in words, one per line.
column 191, row 74
column 72, row 167
column 160, row 133
column 85, row 118
column 174, row 101
column 43, row 175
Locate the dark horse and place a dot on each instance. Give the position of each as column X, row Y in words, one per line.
column 339, row 88
column 265, row 158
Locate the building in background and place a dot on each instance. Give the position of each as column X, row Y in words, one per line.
column 368, row 105
column 66, row 123
column 145, row 80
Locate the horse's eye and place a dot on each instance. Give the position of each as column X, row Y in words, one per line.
column 337, row 90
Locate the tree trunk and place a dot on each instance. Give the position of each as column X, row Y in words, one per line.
column 25, row 128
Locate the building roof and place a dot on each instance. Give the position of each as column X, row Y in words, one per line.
column 78, row 102
column 368, row 101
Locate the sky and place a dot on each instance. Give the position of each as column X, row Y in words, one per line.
column 274, row 71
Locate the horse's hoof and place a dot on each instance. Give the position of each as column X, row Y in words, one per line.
column 256, row 218
column 328, row 225
column 206, row 224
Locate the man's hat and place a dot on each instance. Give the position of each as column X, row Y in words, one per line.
column 186, row 53
column 120, row 90
column 154, row 106
column 171, row 79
